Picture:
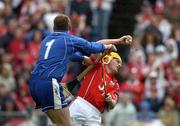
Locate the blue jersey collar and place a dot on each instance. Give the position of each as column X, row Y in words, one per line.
column 60, row 31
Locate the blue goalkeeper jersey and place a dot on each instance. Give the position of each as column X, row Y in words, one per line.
column 57, row 49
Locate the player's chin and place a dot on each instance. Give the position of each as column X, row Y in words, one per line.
column 116, row 71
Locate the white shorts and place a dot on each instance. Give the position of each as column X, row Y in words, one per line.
column 84, row 114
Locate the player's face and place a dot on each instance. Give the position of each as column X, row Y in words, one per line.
column 114, row 65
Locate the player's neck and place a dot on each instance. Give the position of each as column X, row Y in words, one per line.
column 60, row 31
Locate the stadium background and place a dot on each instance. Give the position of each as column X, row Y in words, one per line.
column 150, row 75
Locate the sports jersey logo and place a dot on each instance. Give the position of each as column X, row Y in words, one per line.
column 101, row 88
column 112, row 83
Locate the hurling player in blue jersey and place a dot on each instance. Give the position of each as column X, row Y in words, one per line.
column 56, row 51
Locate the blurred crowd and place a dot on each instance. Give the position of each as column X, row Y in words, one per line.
column 149, row 80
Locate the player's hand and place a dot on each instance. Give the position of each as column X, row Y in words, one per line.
column 110, row 102
column 108, row 98
column 127, row 40
column 112, row 49
column 87, row 61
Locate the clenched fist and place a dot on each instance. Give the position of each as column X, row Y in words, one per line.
column 127, row 40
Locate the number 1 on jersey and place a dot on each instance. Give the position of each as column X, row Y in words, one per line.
column 48, row 44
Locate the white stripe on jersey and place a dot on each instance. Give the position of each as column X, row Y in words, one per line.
column 89, row 84
column 56, row 94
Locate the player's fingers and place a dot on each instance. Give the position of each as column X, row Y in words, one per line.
column 108, row 97
column 127, row 39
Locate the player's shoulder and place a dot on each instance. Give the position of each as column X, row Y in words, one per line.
column 51, row 37
column 76, row 38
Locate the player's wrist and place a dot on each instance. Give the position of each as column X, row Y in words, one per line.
column 127, row 39
column 121, row 40
column 109, row 46
column 86, row 60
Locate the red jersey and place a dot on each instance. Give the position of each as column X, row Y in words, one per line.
column 136, row 88
column 92, row 88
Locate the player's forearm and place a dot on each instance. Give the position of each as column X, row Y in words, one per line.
column 126, row 39
column 110, row 41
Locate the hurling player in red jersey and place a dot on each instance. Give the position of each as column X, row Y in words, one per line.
column 91, row 100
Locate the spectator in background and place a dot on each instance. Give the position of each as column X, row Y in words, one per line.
column 161, row 22
column 23, row 98
column 17, row 44
column 3, row 32
column 56, row 7
column 172, row 92
column 8, row 13
column 42, row 27
column 154, row 91
column 1, row 7
column 124, row 112
column 170, row 71
column 3, row 95
column 123, row 74
column 177, row 95
column 82, row 7
column 145, row 114
column 32, row 7
column 172, row 10
column 9, row 105
column 131, row 61
column 168, row 114
column 6, row 77
column 172, row 50
column 177, row 39
column 101, row 14
column 133, row 86
column 143, row 18
column 151, row 38
column 81, row 17
column 9, row 36
column 34, row 45
column 160, row 60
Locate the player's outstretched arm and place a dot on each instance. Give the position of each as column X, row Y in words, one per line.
column 126, row 39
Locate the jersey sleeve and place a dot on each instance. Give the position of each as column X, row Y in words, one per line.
column 89, row 47
column 77, row 57
column 92, row 58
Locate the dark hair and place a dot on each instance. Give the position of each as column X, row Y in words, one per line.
column 62, row 22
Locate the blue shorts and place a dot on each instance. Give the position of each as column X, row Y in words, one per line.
column 47, row 93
